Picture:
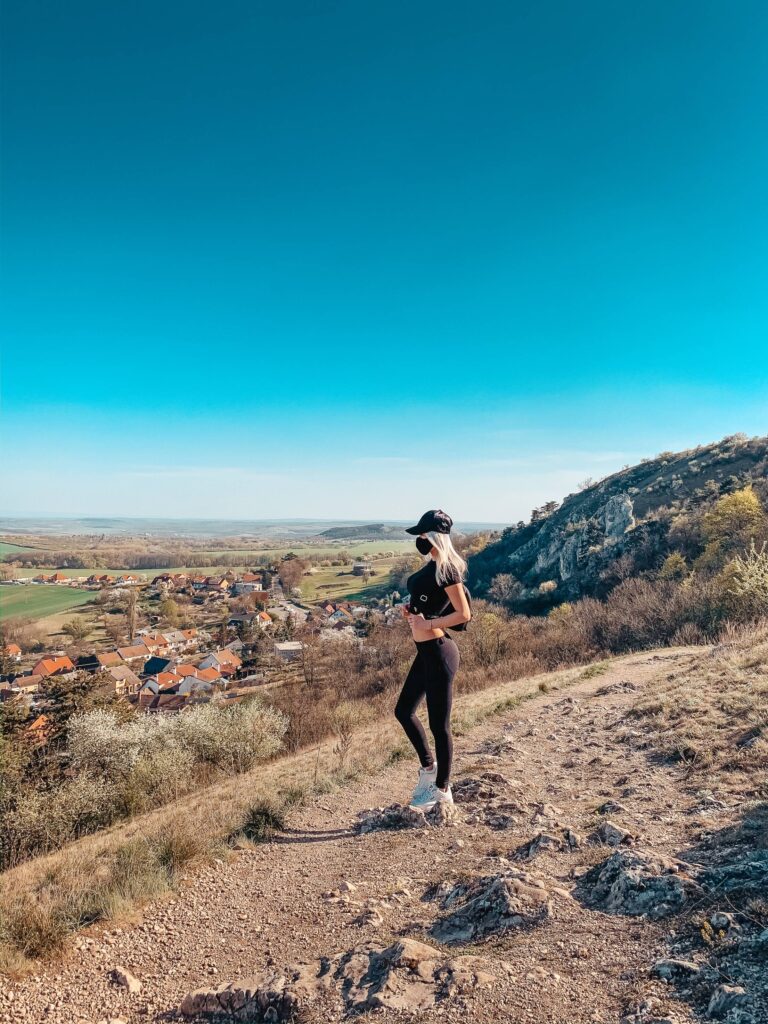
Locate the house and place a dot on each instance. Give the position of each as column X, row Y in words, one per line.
column 174, row 638
column 156, row 664
column 190, row 635
column 225, row 661
column 13, row 651
column 242, row 618
column 42, row 578
column 341, row 615
column 110, row 659
column 134, row 652
column 129, row 579
column 126, row 681
column 185, row 669
column 39, row 730
column 28, row 684
column 154, row 641
column 288, row 650
column 361, row 568
column 264, row 619
column 53, row 667
column 209, row 675
column 165, row 703
column 58, row 577
column 167, row 680
column 192, row 686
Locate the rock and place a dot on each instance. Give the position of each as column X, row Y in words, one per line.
column 393, row 817
column 546, row 811
column 126, row 980
column 669, row 969
column 573, row 839
column 611, row 834
column 724, row 999
column 347, row 887
column 406, row 976
column 722, row 922
column 637, row 883
column 611, row 807
column 747, row 875
column 398, row 816
column 371, row 917
column 491, row 906
column 485, row 786
column 275, row 997
column 442, row 814
column 541, row 841
column 462, row 974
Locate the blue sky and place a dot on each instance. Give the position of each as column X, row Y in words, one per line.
column 352, row 260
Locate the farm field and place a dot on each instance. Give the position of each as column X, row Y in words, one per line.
column 8, row 549
column 34, row 602
column 327, row 584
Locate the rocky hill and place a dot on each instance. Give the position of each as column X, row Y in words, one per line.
column 623, row 525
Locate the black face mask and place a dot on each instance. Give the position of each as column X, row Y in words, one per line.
column 424, row 545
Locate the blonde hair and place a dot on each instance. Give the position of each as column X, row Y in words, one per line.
column 447, row 556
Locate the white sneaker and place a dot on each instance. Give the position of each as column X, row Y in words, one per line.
column 427, row 778
column 435, row 796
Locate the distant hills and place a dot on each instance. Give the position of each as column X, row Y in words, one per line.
column 624, row 525
column 372, row 531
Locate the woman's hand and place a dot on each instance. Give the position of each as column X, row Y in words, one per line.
column 417, row 622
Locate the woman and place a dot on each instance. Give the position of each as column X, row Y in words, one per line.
column 437, row 600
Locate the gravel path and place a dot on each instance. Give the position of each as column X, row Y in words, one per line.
column 271, row 905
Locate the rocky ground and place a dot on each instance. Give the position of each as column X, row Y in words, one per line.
column 578, row 879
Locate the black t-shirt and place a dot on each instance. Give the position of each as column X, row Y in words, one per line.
column 427, row 595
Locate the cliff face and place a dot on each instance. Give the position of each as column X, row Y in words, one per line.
column 575, row 549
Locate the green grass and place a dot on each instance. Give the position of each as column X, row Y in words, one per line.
column 35, row 602
column 327, row 584
column 7, row 549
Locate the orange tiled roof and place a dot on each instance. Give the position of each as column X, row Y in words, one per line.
column 227, row 657
column 48, row 666
column 13, row 649
column 208, row 675
column 167, row 678
column 137, row 651
column 186, row 670
column 110, row 658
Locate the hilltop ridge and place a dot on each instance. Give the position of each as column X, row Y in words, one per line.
column 621, row 526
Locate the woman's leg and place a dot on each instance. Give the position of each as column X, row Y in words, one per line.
column 405, row 711
column 440, row 670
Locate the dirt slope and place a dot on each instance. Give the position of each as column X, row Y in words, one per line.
column 561, row 757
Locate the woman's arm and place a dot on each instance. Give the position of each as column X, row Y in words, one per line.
column 461, row 611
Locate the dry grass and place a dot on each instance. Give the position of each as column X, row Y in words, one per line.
column 714, row 715
column 104, row 876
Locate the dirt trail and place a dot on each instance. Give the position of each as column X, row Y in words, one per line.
column 266, row 907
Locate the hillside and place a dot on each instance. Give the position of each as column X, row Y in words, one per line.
column 593, row 869
column 372, row 531
column 620, row 527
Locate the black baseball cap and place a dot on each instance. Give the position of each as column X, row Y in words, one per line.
column 434, row 521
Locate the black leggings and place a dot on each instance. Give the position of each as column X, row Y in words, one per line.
column 432, row 674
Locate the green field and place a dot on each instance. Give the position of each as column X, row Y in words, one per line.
column 7, row 549
column 327, row 584
column 35, row 602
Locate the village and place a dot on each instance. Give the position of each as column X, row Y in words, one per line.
column 250, row 636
